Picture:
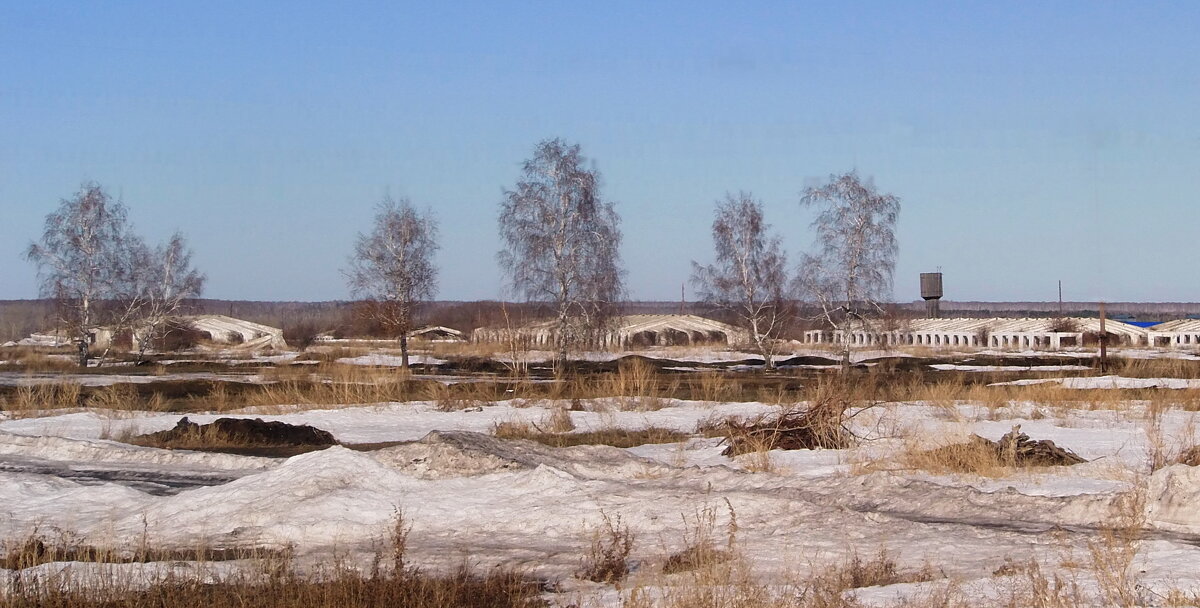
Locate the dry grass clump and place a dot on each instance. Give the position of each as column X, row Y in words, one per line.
column 701, row 549
column 559, row 421
column 732, row 584
column 712, row 385
column 857, row 573
column 609, row 547
column 120, row 397
column 33, row 398
column 354, row 386
column 616, row 437
column 980, row 456
column 32, row 359
column 636, row 385
column 1190, row 457
column 1156, row 368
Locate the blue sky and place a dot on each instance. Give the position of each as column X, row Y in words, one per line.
column 1029, row 142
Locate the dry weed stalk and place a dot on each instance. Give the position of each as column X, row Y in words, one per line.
column 32, row 399
column 610, row 544
column 700, row 543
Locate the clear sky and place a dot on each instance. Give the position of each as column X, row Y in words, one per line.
column 1028, row 141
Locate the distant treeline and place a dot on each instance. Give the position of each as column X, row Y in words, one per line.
column 300, row 320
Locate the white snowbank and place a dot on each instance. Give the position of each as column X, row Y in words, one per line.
column 381, row 360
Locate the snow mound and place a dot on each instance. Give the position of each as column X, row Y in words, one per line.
column 443, row 454
column 93, row 453
column 1172, row 496
column 44, row 503
column 319, row 497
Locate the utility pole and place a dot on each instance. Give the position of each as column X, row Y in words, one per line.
column 682, row 299
column 1060, row 306
column 1103, row 342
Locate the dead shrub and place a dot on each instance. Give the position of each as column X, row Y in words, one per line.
column 1191, row 457
column 700, row 543
column 982, row 456
column 857, row 573
column 610, row 544
column 559, row 421
column 823, row 425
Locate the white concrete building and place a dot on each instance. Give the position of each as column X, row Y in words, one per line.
column 1020, row 334
column 1183, row 333
column 628, row 331
column 437, row 333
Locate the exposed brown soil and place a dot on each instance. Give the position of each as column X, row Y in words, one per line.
column 237, row 432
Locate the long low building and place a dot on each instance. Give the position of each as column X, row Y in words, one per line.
column 1052, row 334
column 1175, row 334
column 627, row 331
column 245, row 334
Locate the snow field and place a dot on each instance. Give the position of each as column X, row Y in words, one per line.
column 497, row 502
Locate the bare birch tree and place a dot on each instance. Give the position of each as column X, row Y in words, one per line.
column 849, row 274
column 392, row 267
column 749, row 277
column 562, row 243
column 83, row 261
column 165, row 280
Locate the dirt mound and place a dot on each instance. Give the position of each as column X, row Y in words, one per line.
column 245, row 432
column 806, row 360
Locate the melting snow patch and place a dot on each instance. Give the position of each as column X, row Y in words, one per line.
column 379, row 360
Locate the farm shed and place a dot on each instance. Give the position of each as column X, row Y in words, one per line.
column 627, row 331
column 228, row 330
column 437, row 333
column 1182, row 333
column 1050, row 333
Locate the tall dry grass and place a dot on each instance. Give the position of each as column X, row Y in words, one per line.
column 32, row 399
column 267, row 579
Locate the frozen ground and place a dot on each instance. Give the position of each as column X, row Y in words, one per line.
column 471, row 496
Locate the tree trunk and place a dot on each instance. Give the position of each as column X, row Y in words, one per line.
column 404, row 351
column 561, row 337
